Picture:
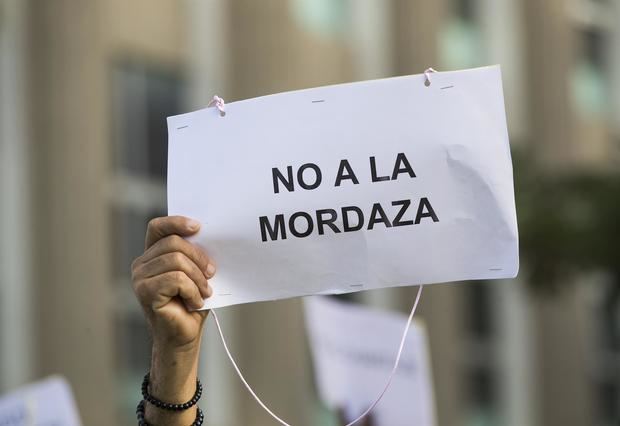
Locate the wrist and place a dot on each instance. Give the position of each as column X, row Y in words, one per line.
column 164, row 348
column 174, row 338
column 174, row 370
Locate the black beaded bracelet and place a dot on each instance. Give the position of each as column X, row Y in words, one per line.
column 200, row 418
column 167, row 405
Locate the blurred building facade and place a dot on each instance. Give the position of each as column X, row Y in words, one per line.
column 85, row 89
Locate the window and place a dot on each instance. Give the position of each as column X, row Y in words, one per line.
column 480, row 315
column 595, row 23
column 607, row 357
column 604, row 310
column 142, row 99
column 322, row 17
column 590, row 80
column 142, row 96
column 608, row 404
column 129, row 226
column 481, row 388
column 480, row 375
column 132, row 356
column 460, row 42
column 465, row 9
column 610, row 318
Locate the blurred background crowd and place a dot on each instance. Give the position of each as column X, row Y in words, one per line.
column 85, row 87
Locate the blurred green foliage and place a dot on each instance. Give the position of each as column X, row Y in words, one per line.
column 569, row 222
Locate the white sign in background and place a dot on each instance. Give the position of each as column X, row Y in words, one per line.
column 354, row 349
column 46, row 403
column 350, row 187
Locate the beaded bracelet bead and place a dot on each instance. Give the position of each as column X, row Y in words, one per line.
column 141, row 408
column 167, row 405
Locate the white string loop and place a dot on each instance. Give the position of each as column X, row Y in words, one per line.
column 219, row 104
column 369, row 409
column 427, row 76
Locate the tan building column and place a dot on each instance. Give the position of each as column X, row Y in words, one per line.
column 562, row 369
column 416, row 30
column 563, row 379
column 70, row 160
column 16, row 310
column 548, row 44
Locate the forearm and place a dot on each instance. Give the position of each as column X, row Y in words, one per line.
column 173, row 379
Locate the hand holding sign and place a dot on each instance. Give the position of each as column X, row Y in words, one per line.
column 171, row 275
column 350, row 187
column 277, row 226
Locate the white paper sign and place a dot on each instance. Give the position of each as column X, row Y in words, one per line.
column 354, row 348
column 46, row 403
column 350, row 187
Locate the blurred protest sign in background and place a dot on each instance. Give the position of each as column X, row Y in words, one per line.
column 353, row 349
column 48, row 402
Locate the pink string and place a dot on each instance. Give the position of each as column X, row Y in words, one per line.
column 427, row 76
column 369, row 409
column 218, row 103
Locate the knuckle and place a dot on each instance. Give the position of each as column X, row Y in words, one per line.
column 203, row 258
column 197, row 296
column 177, row 259
column 140, row 289
column 199, row 255
column 136, row 272
column 153, row 223
column 138, row 269
column 134, row 267
column 174, row 241
column 177, row 276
